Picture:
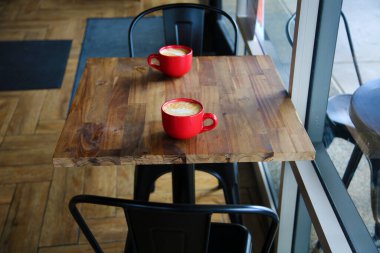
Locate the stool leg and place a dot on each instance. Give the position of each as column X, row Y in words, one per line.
column 228, row 177
column 375, row 196
column 145, row 177
column 231, row 191
column 352, row 165
column 183, row 183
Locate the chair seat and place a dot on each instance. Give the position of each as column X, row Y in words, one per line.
column 364, row 112
column 173, row 228
column 227, row 237
column 338, row 119
column 338, row 110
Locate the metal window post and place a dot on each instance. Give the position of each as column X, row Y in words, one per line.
column 291, row 239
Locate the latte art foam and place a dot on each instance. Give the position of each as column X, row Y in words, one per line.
column 182, row 108
column 174, row 52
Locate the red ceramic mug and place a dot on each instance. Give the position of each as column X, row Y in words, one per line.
column 173, row 60
column 183, row 118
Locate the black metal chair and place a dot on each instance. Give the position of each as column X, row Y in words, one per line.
column 199, row 27
column 337, row 114
column 172, row 228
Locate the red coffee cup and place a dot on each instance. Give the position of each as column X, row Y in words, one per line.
column 174, row 60
column 183, row 118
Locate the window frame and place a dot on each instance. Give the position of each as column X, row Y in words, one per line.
column 350, row 230
column 323, row 193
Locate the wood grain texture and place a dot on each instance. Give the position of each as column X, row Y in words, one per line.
column 7, row 192
column 29, row 173
column 24, row 122
column 30, row 124
column 17, row 142
column 21, row 221
column 7, row 108
column 50, row 126
column 100, row 180
column 3, row 216
column 125, row 181
column 113, row 247
column 116, row 118
column 26, row 157
column 59, row 227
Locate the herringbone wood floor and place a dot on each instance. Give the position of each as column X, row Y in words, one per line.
column 33, row 196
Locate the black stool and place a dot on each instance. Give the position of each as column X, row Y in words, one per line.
column 226, row 173
column 364, row 112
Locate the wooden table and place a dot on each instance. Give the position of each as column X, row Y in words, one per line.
column 116, row 119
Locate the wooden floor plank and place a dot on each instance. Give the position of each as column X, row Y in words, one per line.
column 17, row 142
column 125, row 177
column 7, row 191
column 100, row 180
column 62, row 30
column 56, row 106
column 7, row 108
column 24, row 174
column 26, row 156
column 27, row 113
column 50, row 126
column 25, row 218
column 12, row 35
column 113, row 247
column 3, row 216
column 37, row 34
column 9, row 12
column 59, row 227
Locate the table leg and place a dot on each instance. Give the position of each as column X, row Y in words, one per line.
column 183, row 183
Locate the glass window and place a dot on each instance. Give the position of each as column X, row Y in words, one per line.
column 365, row 41
column 271, row 33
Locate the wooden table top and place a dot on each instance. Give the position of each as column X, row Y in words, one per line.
column 116, row 119
column 364, row 113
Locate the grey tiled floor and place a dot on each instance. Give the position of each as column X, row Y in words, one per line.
column 364, row 19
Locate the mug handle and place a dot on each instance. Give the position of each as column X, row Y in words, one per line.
column 150, row 58
column 214, row 123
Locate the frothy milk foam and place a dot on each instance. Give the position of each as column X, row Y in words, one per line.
column 182, row 108
column 174, row 51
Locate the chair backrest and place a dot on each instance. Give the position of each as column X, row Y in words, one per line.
column 289, row 36
column 190, row 24
column 159, row 227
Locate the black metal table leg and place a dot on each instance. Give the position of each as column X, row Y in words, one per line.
column 183, row 183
